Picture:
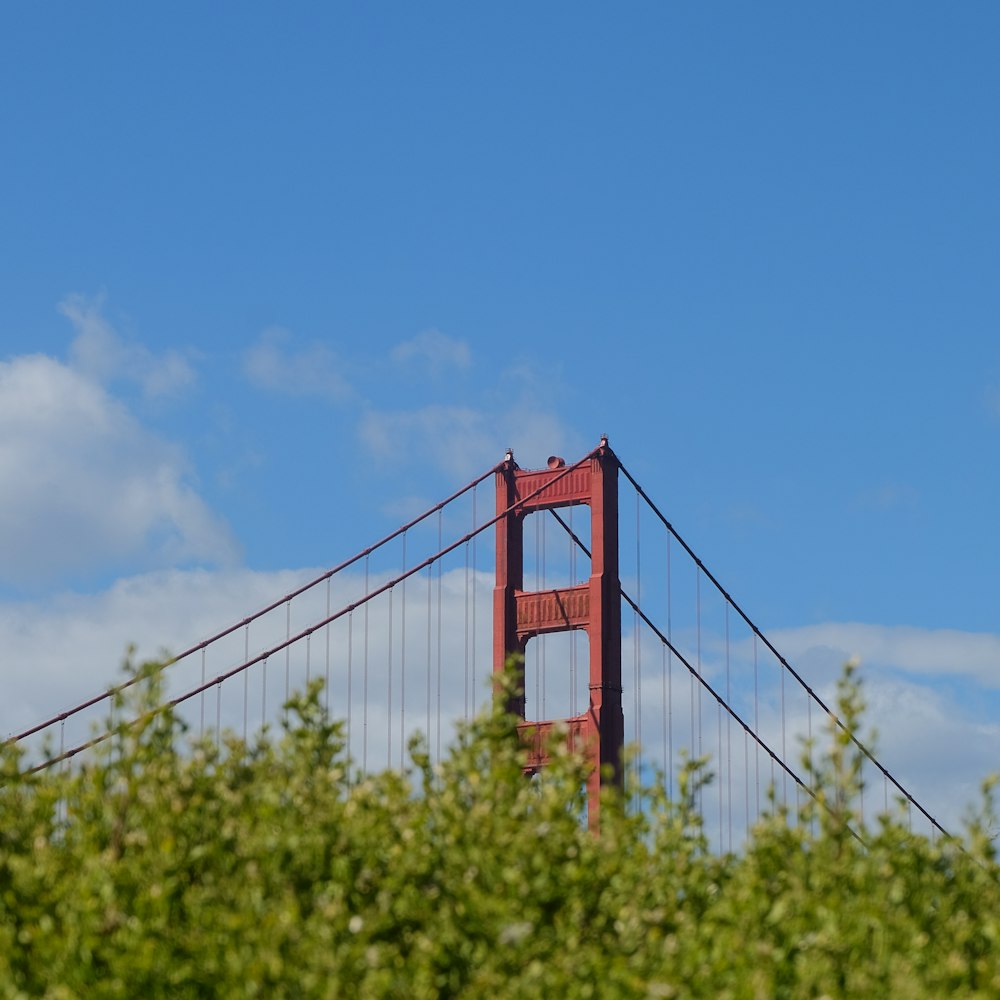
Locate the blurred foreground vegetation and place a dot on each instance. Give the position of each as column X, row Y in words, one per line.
column 163, row 867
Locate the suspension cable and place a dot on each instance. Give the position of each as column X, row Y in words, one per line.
column 243, row 622
column 781, row 659
column 290, row 640
column 694, row 672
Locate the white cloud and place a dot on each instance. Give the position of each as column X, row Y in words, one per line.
column 101, row 354
column 86, row 487
column 930, row 740
column 902, row 647
column 462, row 440
column 434, row 350
column 457, row 439
column 75, row 644
column 314, row 371
column 936, row 733
column 930, row 696
column 534, row 434
column 932, row 736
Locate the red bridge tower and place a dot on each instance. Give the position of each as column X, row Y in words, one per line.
column 595, row 606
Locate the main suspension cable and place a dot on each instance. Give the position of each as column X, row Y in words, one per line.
column 781, row 659
column 290, row 640
column 117, row 689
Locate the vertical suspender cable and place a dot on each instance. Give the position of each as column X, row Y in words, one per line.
column 669, row 766
column 693, row 728
column 430, row 589
column 475, row 590
column 697, row 585
column 326, row 675
column 402, row 665
column 636, row 651
column 388, row 712
column 536, row 643
column 111, row 721
column 543, row 524
column 809, row 733
column 756, row 725
column 809, row 717
column 729, row 732
column 62, row 751
column 697, row 695
column 364, row 725
column 573, row 635
column 350, row 682
column 784, row 749
column 746, row 783
column 722, row 781
column 861, row 793
column 288, row 649
column 465, row 701
column 263, row 693
column 440, row 569
column 663, row 709
column 202, row 695
column 246, row 679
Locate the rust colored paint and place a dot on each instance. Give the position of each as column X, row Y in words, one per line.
column 595, row 607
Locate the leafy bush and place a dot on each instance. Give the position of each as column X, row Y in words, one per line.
column 164, row 867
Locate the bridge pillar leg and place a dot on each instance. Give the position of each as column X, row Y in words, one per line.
column 595, row 607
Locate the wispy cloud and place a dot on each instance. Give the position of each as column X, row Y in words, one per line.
column 434, row 351
column 273, row 363
column 453, row 438
column 887, row 496
column 993, row 401
column 101, row 354
column 463, row 438
column 88, row 488
column 442, row 428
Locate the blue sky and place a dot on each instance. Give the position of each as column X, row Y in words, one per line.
column 274, row 278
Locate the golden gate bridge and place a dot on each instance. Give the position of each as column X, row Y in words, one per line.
column 624, row 639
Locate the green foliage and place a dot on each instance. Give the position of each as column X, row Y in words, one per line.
column 164, row 867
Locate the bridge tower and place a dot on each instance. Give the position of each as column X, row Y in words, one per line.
column 594, row 606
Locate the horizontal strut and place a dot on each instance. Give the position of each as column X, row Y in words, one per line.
column 542, row 611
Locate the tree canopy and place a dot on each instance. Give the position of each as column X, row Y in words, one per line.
column 164, row 866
